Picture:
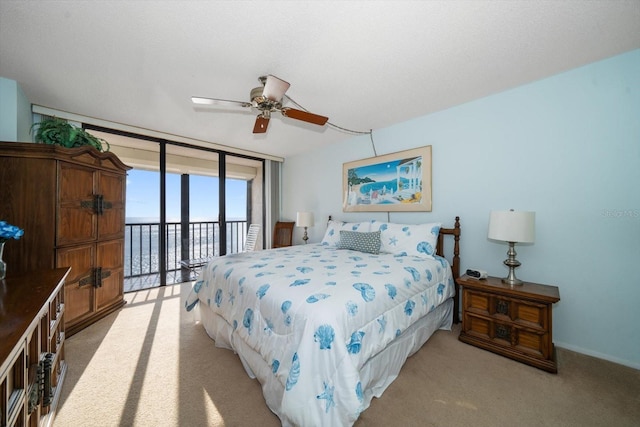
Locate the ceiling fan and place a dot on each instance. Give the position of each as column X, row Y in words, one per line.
column 267, row 99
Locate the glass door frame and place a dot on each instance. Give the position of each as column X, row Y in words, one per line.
column 222, row 219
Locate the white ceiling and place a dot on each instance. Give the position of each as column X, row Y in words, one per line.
column 364, row 64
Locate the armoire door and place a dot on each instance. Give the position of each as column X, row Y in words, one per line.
column 110, row 289
column 77, row 221
column 111, row 208
column 79, row 284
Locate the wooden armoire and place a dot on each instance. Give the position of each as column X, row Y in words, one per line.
column 71, row 204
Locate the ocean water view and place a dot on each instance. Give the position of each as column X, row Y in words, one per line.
column 142, row 243
column 142, row 230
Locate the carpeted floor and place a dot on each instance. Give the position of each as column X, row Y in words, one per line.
column 150, row 364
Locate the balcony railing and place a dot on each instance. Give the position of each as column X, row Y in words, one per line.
column 141, row 256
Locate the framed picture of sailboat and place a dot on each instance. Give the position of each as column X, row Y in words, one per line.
column 396, row 182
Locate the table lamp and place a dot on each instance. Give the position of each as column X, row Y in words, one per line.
column 512, row 227
column 304, row 219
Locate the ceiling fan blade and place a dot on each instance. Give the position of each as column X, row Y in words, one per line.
column 216, row 101
column 305, row 116
column 261, row 124
column 274, row 88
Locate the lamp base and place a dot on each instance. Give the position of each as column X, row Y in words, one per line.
column 512, row 282
column 512, row 263
column 305, row 237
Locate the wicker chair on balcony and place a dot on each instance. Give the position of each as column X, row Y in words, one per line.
column 283, row 234
column 252, row 238
column 193, row 265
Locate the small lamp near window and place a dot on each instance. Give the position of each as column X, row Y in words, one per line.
column 304, row 219
column 512, row 227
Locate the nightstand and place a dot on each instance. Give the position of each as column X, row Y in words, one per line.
column 514, row 321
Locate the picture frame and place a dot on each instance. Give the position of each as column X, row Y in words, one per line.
column 396, row 182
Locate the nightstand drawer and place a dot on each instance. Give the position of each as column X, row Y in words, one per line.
column 533, row 342
column 524, row 313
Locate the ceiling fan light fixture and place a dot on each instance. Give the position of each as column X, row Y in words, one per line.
column 256, row 92
column 274, row 88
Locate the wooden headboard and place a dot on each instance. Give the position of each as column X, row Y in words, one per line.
column 455, row 232
column 455, row 261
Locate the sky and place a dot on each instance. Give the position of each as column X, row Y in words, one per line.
column 143, row 197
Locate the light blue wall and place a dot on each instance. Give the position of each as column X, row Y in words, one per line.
column 566, row 147
column 24, row 117
column 8, row 110
column 15, row 112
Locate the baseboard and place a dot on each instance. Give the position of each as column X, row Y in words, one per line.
column 607, row 357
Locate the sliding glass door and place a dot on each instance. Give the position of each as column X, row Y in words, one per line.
column 243, row 194
column 142, row 225
column 184, row 203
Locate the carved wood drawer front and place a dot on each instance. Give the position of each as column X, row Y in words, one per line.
column 526, row 313
column 526, row 340
column 531, row 314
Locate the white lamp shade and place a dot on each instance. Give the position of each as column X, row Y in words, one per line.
column 274, row 88
column 304, row 219
column 512, row 226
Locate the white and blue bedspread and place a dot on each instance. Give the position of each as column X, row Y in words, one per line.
column 316, row 315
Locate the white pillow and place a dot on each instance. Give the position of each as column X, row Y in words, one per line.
column 332, row 235
column 408, row 239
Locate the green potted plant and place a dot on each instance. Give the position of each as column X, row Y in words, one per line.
column 57, row 131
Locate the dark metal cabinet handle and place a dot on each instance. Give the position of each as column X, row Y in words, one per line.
column 98, row 204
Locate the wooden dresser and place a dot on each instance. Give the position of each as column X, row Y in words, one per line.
column 71, row 204
column 32, row 369
column 514, row 321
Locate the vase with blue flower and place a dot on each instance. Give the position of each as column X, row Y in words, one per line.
column 7, row 232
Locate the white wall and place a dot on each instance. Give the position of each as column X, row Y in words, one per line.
column 566, row 147
column 15, row 112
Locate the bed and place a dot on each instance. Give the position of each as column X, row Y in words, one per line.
column 326, row 327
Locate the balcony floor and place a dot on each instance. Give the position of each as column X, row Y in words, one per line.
column 132, row 284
